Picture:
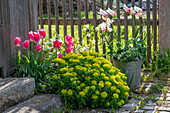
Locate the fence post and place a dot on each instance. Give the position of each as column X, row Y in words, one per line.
column 17, row 18
column 164, row 25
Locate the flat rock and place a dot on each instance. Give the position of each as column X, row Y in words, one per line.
column 168, row 94
column 149, row 107
column 151, row 104
column 38, row 104
column 164, row 109
column 15, row 90
column 168, row 98
column 139, row 111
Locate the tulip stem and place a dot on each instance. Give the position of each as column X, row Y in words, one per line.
column 56, row 53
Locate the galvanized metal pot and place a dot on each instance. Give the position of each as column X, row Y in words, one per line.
column 133, row 69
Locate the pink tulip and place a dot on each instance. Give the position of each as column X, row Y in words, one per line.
column 70, row 44
column 31, row 36
column 104, row 18
column 42, row 33
column 111, row 12
column 69, row 50
column 38, row 47
column 25, row 44
column 68, row 39
column 137, row 9
column 132, row 11
column 36, row 37
column 17, row 41
column 127, row 10
column 103, row 13
column 57, row 44
column 103, row 27
column 140, row 14
column 60, row 55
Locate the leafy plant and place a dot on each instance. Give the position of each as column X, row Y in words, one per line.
column 162, row 64
column 86, row 80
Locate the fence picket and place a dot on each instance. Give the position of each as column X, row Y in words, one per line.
column 126, row 22
column 148, row 30
column 64, row 17
column 71, row 17
column 103, row 42
column 41, row 13
column 133, row 22
column 79, row 21
column 111, row 34
column 155, row 25
column 87, row 18
column 141, row 22
column 95, row 24
column 56, row 15
column 49, row 17
column 118, row 16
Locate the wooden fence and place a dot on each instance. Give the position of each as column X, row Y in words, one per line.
column 154, row 21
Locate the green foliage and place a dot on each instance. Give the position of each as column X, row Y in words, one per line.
column 162, row 64
column 156, row 88
column 32, row 65
column 86, row 80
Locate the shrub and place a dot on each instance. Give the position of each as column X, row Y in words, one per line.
column 86, row 80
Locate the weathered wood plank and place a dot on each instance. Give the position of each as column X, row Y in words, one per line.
column 155, row 26
column 41, row 13
column 133, row 23
column 141, row 21
column 126, row 22
column 95, row 25
column 64, row 17
column 148, row 30
column 71, row 17
column 118, row 16
column 104, row 43
column 98, row 20
column 111, row 34
column 56, row 15
column 86, row 17
column 79, row 21
column 49, row 17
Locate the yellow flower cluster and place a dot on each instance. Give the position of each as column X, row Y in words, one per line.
column 108, row 84
column 103, row 94
column 106, row 66
column 115, row 95
column 90, row 77
column 95, row 97
column 59, row 60
column 101, row 84
column 82, row 93
column 94, row 82
column 95, row 65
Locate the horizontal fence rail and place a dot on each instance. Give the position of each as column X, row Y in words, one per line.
column 151, row 19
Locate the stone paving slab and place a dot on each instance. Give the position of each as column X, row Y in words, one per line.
column 15, row 90
column 149, row 107
column 38, row 104
column 168, row 99
column 164, row 109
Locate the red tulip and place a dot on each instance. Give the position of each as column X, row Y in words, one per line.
column 42, row 33
column 25, row 44
column 36, row 37
column 38, row 47
column 60, row 55
column 70, row 44
column 68, row 39
column 17, row 41
column 69, row 50
column 31, row 36
column 57, row 44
